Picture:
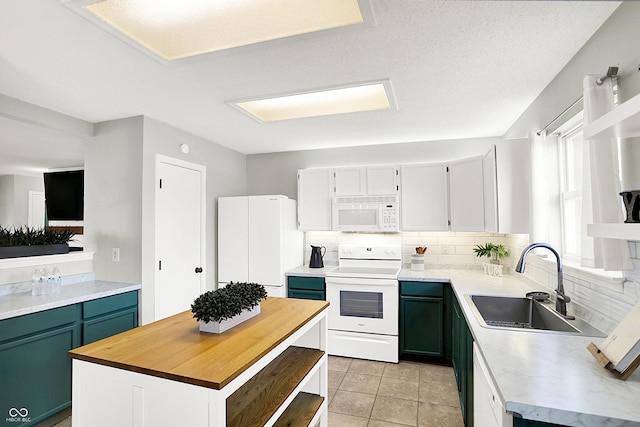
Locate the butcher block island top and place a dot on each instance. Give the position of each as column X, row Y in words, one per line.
column 174, row 348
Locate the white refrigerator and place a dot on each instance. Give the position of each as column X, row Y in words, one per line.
column 258, row 241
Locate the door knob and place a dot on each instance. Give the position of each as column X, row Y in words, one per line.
column 198, row 269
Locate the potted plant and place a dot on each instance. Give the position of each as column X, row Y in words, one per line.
column 224, row 308
column 491, row 250
column 27, row 241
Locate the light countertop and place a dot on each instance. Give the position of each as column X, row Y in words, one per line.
column 18, row 304
column 549, row 377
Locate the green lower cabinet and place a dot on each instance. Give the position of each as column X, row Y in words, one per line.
column 109, row 316
column 35, row 371
column 35, row 376
column 421, row 326
column 462, row 359
column 422, row 319
column 302, row 287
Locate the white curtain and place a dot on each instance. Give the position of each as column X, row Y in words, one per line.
column 545, row 218
column 601, row 202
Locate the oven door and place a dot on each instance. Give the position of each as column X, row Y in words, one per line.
column 363, row 305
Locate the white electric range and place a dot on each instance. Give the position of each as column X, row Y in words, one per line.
column 363, row 292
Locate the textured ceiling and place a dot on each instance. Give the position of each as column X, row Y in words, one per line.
column 459, row 69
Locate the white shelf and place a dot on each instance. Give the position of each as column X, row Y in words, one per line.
column 621, row 122
column 615, row 231
column 38, row 261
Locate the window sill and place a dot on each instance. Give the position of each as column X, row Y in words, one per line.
column 610, row 279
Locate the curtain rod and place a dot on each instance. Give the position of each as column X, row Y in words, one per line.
column 559, row 115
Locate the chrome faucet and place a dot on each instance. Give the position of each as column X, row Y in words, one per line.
column 561, row 298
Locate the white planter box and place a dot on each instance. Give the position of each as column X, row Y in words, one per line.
column 219, row 327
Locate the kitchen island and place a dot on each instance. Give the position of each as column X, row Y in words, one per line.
column 269, row 370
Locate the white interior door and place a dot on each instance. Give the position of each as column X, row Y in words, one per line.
column 180, row 235
column 36, row 209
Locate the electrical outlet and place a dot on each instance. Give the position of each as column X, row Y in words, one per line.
column 115, row 254
column 445, row 249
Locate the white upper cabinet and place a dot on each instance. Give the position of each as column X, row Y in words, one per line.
column 350, row 181
column 424, row 201
column 315, row 191
column 382, row 180
column 490, row 182
column 466, row 183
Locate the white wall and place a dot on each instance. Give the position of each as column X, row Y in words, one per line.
column 113, row 198
column 14, row 198
column 6, row 200
column 275, row 173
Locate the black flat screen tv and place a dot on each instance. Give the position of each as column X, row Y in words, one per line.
column 64, row 195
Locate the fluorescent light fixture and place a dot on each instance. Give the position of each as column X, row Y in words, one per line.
column 364, row 97
column 176, row 29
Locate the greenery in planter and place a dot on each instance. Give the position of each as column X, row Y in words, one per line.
column 225, row 303
column 28, row 236
column 491, row 250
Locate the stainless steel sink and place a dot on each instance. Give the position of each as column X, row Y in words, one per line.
column 524, row 314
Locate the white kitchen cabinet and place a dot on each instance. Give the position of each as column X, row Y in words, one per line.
column 351, row 181
column 466, row 192
column 424, row 197
column 488, row 409
column 382, row 180
column 490, row 182
column 315, row 190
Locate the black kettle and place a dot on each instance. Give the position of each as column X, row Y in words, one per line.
column 316, row 256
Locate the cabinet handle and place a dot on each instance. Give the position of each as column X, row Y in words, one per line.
column 198, row 269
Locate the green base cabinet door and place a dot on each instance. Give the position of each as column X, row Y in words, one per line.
column 109, row 316
column 421, row 326
column 35, row 372
column 462, row 359
column 422, row 319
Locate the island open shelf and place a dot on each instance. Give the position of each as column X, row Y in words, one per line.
column 269, row 370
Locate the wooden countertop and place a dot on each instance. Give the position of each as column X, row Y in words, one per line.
column 174, row 348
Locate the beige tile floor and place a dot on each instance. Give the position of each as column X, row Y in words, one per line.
column 364, row 393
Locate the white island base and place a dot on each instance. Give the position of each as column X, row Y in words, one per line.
column 180, row 376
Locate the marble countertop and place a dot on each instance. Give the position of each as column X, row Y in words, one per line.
column 310, row 272
column 549, row 377
column 18, row 304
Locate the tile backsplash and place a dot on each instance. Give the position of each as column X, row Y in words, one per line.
column 445, row 249
column 602, row 300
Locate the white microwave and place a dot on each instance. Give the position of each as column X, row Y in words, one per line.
column 368, row 214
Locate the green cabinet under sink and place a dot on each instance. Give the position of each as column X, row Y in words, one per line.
column 35, row 374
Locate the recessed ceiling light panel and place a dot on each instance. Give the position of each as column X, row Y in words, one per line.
column 350, row 99
column 177, row 29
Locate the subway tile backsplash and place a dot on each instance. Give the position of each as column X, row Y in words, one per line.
column 600, row 300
